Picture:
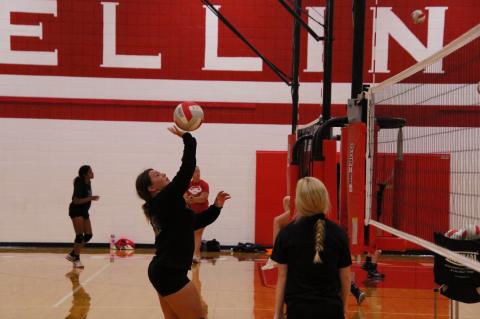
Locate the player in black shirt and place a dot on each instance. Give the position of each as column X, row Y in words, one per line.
column 78, row 212
column 313, row 259
column 174, row 225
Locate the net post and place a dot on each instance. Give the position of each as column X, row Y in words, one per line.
column 353, row 147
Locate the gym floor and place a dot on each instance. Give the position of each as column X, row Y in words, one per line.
column 40, row 283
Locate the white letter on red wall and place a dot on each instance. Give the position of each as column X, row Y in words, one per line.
column 388, row 24
column 315, row 48
column 110, row 57
column 213, row 61
column 7, row 30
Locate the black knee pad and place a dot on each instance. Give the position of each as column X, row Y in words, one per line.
column 78, row 239
column 87, row 237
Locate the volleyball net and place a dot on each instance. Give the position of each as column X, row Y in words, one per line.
column 423, row 172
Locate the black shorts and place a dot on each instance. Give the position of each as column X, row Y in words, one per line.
column 315, row 310
column 166, row 280
column 74, row 214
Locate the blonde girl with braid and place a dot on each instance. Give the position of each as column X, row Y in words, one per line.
column 313, row 259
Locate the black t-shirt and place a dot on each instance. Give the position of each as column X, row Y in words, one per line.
column 307, row 281
column 174, row 223
column 80, row 190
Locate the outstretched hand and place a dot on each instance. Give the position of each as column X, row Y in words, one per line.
column 221, row 198
column 175, row 130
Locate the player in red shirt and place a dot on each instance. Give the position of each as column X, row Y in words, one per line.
column 196, row 198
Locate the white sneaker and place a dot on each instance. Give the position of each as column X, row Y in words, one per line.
column 196, row 259
column 78, row 264
column 70, row 258
column 269, row 265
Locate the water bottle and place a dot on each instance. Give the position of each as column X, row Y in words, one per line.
column 112, row 256
column 112, row 242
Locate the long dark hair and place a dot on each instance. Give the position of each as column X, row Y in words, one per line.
column 142, row 184
column 82, row 172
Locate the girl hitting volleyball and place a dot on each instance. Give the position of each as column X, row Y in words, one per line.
column 174, row 225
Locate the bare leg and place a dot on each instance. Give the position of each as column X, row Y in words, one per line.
column 279, row 222
column 375, row 256
column 196, row 277
column 167, row 311
column 198, row 284
column 198, row 243
column 87, row 226
column 186, row 303
column 78, row 226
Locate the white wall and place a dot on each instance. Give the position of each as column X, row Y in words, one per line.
column 40, row 158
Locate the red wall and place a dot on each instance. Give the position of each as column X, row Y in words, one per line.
column 176, row 29
column 417, row 199
column 271, row 187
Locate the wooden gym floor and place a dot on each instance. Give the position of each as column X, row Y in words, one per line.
column 42, row 284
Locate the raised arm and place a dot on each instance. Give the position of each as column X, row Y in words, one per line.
column 181, row 180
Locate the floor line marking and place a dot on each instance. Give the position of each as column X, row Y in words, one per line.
column 82, row 284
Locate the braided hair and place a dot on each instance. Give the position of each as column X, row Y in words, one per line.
column 312, row 199
column 319, row 238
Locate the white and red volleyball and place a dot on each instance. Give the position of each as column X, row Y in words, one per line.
column 418, row 16
column 188, row 116
column 456, row 234
column 471, row 232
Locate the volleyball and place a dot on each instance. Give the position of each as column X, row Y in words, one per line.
column 418, row 16
column 471, row 232
column 188, row 116
column 456, row 234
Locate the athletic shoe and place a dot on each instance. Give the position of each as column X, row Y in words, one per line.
column 196, row 259
column 269, row 265
column 78, row 264
column 360, row 298
column 374, row 274
column 367, row 265
column 357, row 293
column 70, row 258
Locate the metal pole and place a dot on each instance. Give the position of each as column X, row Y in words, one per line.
column 358, row 47
column 327, row 62
column 299, row 19
column 295, row 64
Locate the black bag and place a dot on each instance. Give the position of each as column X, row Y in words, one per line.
column 212, row 245
column 458, row 282
column 248, row 248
